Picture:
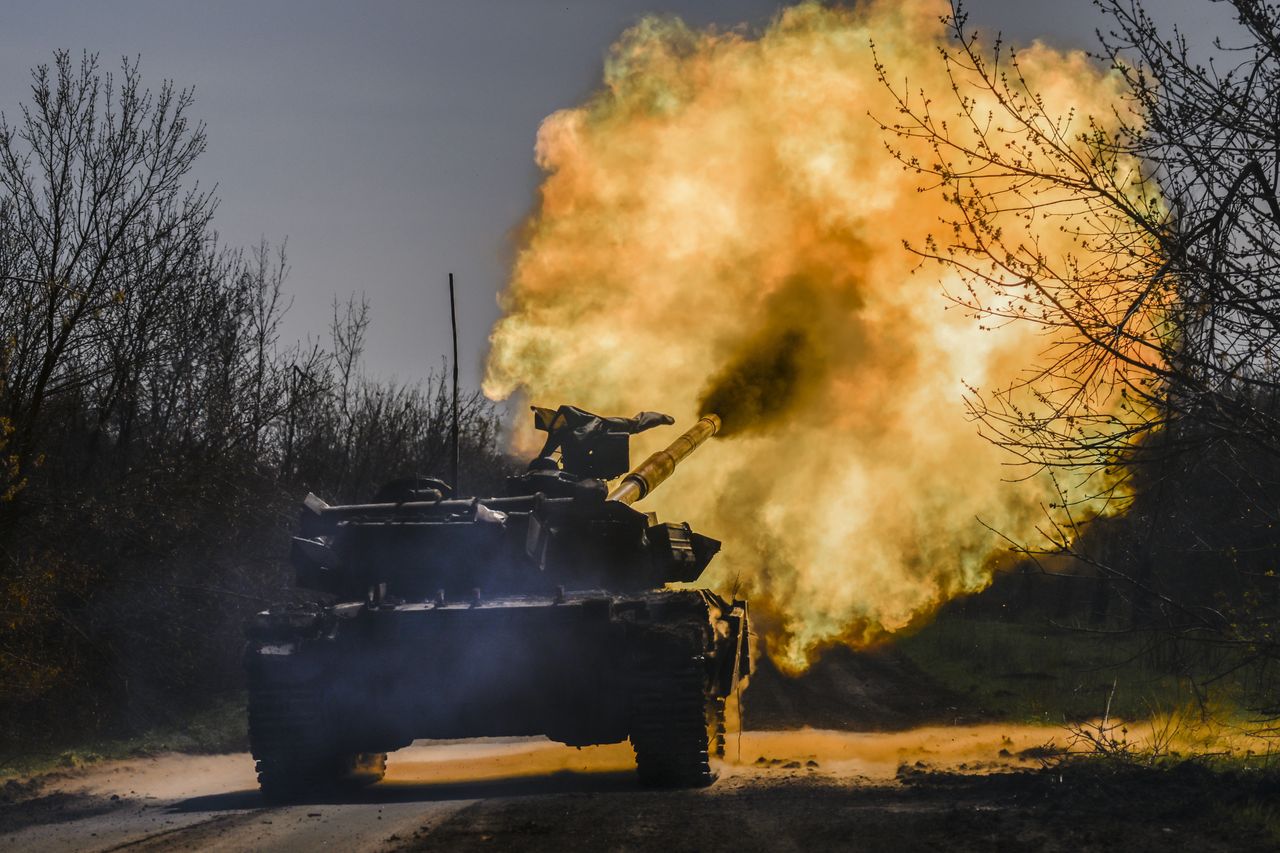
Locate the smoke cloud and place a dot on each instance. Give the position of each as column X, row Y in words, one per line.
column 721, row 229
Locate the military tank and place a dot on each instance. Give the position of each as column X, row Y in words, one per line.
column 544, row 611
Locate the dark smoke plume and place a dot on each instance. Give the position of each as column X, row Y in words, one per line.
column 759, row 387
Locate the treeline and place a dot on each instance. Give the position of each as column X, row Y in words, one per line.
column 156, row 432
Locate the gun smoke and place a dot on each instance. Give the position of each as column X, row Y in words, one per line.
column 720, row 229
column 760, row 386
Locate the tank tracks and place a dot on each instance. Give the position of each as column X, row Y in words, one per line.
column 677, row 725
column 295, row 756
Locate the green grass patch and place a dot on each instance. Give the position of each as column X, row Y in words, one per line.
column 1234, row 796
column 221, row 727
column 1048, row 674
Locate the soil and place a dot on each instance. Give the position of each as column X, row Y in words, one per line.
column 800, row 811
column 935, row 788
column 863, row 754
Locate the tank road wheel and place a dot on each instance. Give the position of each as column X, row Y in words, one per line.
column 295, row 756
column 366, row 768
column 676, row 727
column 286, row 736
column 716, row 721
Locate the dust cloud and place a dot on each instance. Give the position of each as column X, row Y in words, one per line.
column 721, row 228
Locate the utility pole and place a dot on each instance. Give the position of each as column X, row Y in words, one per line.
column 453, row 320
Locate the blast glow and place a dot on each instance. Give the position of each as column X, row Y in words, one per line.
column 726, row 199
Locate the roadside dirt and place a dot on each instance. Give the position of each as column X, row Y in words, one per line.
column 954, row 788
column 803, row 811
column 863, row 753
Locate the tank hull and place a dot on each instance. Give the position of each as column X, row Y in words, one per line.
column 327, row 686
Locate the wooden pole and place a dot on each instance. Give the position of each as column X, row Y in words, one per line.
column 453, row 320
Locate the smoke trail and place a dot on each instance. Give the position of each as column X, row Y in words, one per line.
column 721, row 229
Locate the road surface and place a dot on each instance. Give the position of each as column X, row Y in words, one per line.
column 776, row 790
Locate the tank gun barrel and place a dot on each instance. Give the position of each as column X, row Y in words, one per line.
column 650, row 473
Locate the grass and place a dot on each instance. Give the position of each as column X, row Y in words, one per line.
column 1046, row 674
column 1232, row 793
column 221, row 727
column 1260, row 813
column 1156, row 737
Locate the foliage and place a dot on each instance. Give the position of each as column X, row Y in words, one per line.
column 218, row 728
column 161, row 432
column 10, row 479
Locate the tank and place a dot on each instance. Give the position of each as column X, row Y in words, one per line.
column 547, row 611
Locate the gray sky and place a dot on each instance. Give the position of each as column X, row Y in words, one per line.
column 392, row 141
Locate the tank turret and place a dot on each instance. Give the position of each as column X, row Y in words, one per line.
column 558, row 526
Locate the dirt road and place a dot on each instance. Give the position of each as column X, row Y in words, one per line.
column 795, row 790
column 209, row 802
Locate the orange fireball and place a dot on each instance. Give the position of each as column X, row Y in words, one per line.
column 721, row 228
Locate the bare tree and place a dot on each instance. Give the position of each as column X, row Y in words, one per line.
column 1166, row 301
column 94, row 221
column 1167, row 297
column 10, row 481
column 159, row 431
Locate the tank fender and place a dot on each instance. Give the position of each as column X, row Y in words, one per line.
column 280, row 663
